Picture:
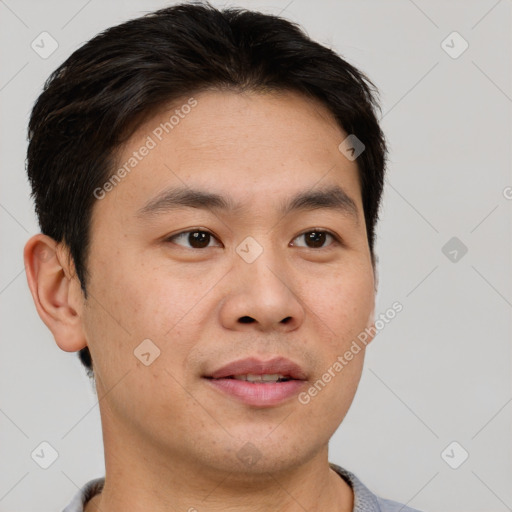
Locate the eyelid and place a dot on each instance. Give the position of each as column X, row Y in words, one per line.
column 337, row 239
column 192, row 230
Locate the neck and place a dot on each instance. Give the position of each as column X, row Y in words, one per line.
column 150, row 483
column 142, row 476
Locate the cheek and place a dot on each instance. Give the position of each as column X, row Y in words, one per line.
column 126, row 309
column 151, row 304
column 344, row 305
column 146, row 301
column 343, row 302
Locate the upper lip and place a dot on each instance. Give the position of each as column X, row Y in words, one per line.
column 252, row 365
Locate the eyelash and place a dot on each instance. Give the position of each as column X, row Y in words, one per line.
column 336, row 239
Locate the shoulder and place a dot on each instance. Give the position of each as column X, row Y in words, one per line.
column 83, row 495
column 393, row 506
column 364, row 499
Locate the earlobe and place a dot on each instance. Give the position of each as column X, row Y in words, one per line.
column 370, row 323
column 371, row 318
column 370, row 330
column 54, row 289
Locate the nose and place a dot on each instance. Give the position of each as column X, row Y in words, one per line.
column 262, row 299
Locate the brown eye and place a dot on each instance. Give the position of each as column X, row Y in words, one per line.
column 315, row 239
column 196, row 239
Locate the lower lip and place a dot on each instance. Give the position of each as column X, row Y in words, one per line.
column 258, row 394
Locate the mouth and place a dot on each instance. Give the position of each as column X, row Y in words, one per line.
column 259, row 383
column 265, row 378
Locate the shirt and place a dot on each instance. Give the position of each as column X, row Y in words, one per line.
column 364, row 499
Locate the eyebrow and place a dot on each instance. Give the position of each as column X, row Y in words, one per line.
column 333, row 197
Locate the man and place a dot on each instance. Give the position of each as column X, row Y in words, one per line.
column 207, row 184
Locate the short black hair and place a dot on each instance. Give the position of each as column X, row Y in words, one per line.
column 102, row 93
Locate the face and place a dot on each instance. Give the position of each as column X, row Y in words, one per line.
column 238, row 233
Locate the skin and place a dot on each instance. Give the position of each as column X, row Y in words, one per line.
column 171, row 441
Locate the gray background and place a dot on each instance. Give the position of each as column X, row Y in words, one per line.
column 439, row 372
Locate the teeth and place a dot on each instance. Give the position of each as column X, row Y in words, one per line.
column 260, row 378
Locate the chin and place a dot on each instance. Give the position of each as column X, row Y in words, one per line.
column 257, row 451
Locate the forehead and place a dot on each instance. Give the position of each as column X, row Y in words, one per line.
column 243, row 145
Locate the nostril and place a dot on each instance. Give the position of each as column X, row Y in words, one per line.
column 286, row 320
column 246, row 320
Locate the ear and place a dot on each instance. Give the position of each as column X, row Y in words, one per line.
column 371, row 318
column 370, row 331
column 56, row 290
